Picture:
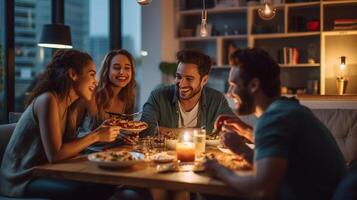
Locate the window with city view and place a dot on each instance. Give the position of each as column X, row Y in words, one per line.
column 30, row 60
column 89, row 22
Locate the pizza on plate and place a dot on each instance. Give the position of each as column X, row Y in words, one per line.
column 127, row 124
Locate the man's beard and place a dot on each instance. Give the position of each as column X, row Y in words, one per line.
column 245, row 105
column 193, row 94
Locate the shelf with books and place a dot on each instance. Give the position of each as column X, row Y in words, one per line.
column 303, row 18
column 302, row 25
column 340, row 16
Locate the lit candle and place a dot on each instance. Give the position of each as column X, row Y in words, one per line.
column 185, row 150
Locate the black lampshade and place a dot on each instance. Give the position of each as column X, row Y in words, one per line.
column 56, row 36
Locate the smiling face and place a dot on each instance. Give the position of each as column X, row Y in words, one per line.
column 189, row 81
column 240, row 94
column 120, row 72
column 85, row 82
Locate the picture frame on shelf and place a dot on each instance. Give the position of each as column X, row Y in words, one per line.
column 209, row 30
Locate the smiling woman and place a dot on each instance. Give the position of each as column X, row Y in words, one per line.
column 46, row 131
column 116, row 88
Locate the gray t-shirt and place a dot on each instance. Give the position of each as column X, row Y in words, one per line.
column 315, row 164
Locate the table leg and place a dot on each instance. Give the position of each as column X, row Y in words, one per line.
column 160, row 194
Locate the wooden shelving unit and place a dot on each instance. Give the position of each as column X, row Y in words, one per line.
column 213, row 10
column 183, row 39
column 300, row 65
column 287, row 29
column 283, row 35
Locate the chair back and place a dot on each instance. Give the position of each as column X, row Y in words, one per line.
column 14, row 117
column 5, row 135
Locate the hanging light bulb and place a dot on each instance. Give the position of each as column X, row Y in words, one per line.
column 343, row 63
column 267, row 13
column 203, row 28
column 144, row 2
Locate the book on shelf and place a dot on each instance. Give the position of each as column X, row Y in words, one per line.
column 345, row 24
column 288, row 56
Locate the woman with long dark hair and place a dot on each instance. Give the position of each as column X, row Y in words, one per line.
column 47, row 130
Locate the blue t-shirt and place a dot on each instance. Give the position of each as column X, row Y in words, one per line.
column 291, row 131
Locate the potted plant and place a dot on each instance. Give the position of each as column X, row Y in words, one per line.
column 168, row 70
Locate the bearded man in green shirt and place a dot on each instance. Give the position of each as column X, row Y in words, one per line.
column 188, row 102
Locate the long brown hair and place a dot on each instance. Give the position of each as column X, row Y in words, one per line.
column 104, row 91
column 55, row 77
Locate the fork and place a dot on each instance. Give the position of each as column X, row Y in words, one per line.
column 123, row 114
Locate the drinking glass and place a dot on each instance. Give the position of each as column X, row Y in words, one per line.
column 199, row 138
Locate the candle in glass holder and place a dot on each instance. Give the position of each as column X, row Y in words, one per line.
column 185, row 151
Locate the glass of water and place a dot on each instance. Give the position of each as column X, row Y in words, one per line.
column 199, row 138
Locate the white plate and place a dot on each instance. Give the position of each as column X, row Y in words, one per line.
column 212, row 142
column 163, row 157
column 138, row 157
column 224, row 150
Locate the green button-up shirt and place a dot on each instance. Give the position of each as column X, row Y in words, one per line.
column 162, row 109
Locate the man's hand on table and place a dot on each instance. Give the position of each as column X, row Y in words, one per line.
column 234, row 124
column 236, row 144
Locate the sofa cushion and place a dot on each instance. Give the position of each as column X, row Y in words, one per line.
column 343, row 125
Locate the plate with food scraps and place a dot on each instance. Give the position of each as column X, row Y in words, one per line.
column 116, row 159
column 163, row 157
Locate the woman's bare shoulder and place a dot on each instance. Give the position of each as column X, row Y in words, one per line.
column 45, row 99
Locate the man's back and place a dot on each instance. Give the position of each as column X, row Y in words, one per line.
column 315, row 163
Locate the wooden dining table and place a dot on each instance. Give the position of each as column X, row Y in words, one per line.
column 143, row 174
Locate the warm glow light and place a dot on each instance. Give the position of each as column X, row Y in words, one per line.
column 144, row 2
column 56, row 46
column 186, row 137
column 343, row 63
column 185, row 151
column 203, row 28
column 144, row 53
column 267, row 13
